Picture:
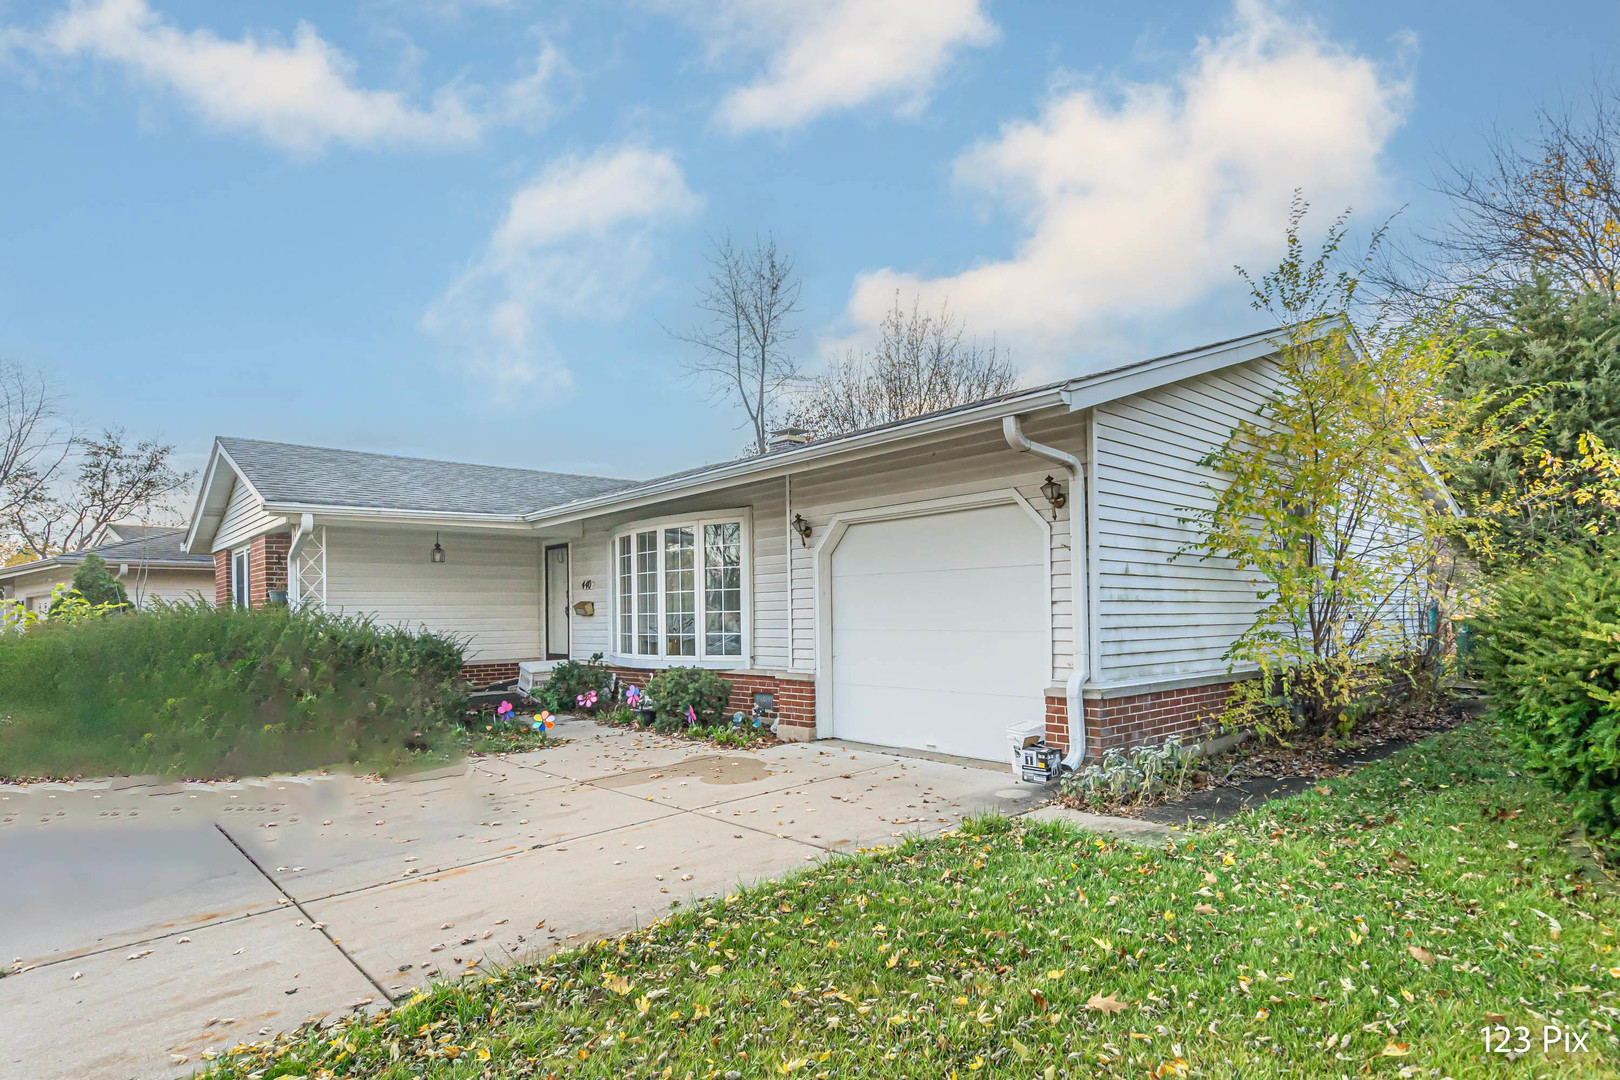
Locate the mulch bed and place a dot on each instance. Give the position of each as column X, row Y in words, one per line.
column 1252, row 773
column 734, row 739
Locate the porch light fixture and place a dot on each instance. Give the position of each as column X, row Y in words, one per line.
column 438, row 551
column 1054, row 495
column 802, row 527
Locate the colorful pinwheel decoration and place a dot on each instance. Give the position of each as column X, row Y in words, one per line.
column 587, row 700
column 503, row 712
column 691, row 716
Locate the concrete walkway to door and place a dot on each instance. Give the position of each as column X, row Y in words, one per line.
column 149, row 927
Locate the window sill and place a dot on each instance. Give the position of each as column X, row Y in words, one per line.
column 658, row 663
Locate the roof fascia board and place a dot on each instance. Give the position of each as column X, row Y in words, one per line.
column 771, row 466
column 1094, row 390
column 38, row 565
column 197, row 515
column 202, row 497
column 328, row 514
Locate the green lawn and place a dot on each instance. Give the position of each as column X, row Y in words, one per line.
column 1369, row 927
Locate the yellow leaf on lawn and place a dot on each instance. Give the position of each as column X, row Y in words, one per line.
column 483, row 1055
column 1397, row 1049
column 894, row 958
column 1021, row 1050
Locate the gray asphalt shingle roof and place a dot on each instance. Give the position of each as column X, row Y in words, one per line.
column 321, row 476
column 155, row 544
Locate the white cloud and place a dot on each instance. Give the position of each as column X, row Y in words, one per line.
column 838, row 55
column 577, row 239
column 299, row 95
column 1140, row 200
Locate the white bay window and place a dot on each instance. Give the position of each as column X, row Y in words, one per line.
column 680, row 590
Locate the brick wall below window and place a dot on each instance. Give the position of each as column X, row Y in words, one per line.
column 1122, row 722
column 485, row 674
column 794, row 699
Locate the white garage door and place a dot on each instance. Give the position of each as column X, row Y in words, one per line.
column 939, row 630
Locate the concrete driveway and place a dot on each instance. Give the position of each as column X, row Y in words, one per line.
column 147, row 927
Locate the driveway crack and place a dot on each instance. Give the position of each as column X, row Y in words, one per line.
column 316, row 923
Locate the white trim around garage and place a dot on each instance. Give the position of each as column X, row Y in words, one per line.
column 834, row 533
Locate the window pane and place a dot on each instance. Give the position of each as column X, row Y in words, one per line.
column 647, row 594
column 722, row 589
column 680, row 593
column 627, row 613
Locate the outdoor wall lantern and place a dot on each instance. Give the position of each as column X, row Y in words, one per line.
column 438, row 552
column 802, row 527
column 1054, row 495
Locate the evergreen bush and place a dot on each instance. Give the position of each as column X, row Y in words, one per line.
column 674, row 690
column 1549, row 656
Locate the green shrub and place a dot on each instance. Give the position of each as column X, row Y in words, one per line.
column 571, row 680
column 673, row 690
column 95, row 584
column 1549, row 656
column 191, row 690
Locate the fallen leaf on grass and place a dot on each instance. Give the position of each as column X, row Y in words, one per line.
column 1397, row 1049
column 1109, row 1004
column 1421, row 955
column 1204, row 909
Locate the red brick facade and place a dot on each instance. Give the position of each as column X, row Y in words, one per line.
column 1121, row 722
column 267, row 569
column 480, row 675
column 222, row 578
column 267, row 566
column 793, row 699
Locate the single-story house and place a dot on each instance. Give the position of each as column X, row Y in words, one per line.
column 925, row 584
column 150, row 561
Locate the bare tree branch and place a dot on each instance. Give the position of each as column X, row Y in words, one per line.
column 750, row 299
column 1549, row 202
column 112, row 480
column 923, row 362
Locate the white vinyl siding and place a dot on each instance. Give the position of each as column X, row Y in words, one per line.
column 1158, row 614
column 939, row 468
column 142, row 585
column 487, row 590
column 244, row 519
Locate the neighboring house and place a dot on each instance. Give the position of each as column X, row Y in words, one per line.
column 923, row 584
column 150, row 561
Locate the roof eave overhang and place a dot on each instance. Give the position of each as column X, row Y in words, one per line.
column 327, row 513
column 784, row 463
column 1105, row 386
column 201, row 512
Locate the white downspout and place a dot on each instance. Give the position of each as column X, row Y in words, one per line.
column 1012, row 428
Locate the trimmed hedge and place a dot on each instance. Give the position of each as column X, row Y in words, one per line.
column 191, row 690
column 1549, row 656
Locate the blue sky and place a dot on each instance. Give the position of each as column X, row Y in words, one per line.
column 458, row 228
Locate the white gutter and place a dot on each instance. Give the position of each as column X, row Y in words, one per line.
column 306, row 525
column 1013, row 429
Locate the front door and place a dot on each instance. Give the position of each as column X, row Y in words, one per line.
column 557, row 602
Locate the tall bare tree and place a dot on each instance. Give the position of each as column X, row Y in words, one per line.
column 33, row 441
column 112, row 479
column 1544, row 204
column 923, row 362
column 742, row 349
